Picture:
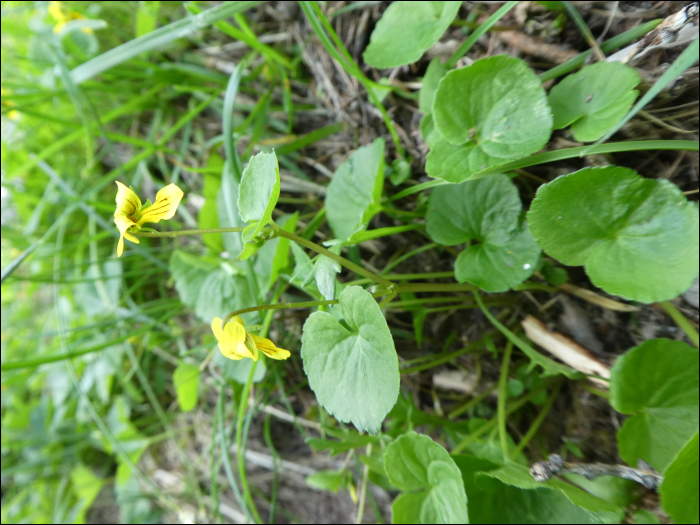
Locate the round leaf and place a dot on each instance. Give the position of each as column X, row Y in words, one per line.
column 638, row 238
column 354, row 373
column 679, row 490
column 657, row 383
column 593, row 99
column 406, row 30
column 485, row 210
column 488, row 113
column 432, row 483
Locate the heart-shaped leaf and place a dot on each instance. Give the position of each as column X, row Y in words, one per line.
column 657, row 384
column 433, row 491
column 638, row 238
column 486, row 210
column 488, row 113
column 594, row 99
column 354, row 372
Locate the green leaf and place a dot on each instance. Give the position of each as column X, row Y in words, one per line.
column 657, row 384
column 213, row 288
column 433, row 491
column 355, row 372
column 679, row 490
column 485, row 210
column 638, row 238
column 406, row 30
column 259, row 191
column 527, row 500
column 239, row 371
column 185, row 381
column 436, row 70
column 594, row 99
column 208, row 214
column 326, row 480
column 325, row 270
column 488, row 113
column 227, row 210
column 353, row 194
column 429, row 132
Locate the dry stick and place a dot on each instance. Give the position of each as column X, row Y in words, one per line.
column 644, row 474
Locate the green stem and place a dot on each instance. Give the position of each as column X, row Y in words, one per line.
column 181, row 233
column 287, row 235
column 408, row 255
column 502, row 398
column 488, row 426
column 443, row 359
column 472, row 402
column 359, row 270
column 284, row 306
column 681, row 321
column 435, row 287
column 469, row 42
column 562, row 154
column 363, row 489
column 240, row 452
column 538, row 421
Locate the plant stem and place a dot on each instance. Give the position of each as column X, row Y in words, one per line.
column 444, row 358
column 538, row 420
column 502, row 397
column 488, row 426
column 181, row 233
column 363, row 489
column 287, row 235
column 681, row 321
column 359, row 270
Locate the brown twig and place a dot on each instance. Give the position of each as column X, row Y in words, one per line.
column 644, row 474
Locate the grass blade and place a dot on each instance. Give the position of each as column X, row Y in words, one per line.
column 156, row 38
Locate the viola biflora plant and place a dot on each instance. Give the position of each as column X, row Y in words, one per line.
column 635, row 237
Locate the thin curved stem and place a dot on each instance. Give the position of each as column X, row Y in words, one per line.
column 287, row 235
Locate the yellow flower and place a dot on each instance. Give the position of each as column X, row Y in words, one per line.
column 236, row 343
column 62, row 16
column 131, row 214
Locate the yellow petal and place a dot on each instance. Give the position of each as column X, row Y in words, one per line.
column 233, row 345
column 251, row 346
column 268, row 348
column 124, row 224
column 167, row 201
column 216, row 328
column 128, row 203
